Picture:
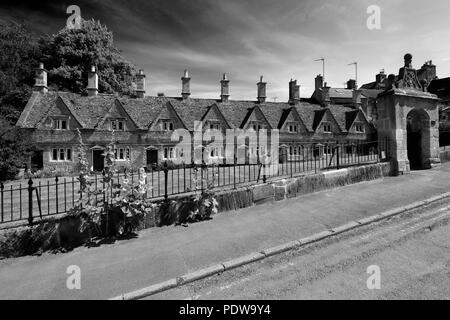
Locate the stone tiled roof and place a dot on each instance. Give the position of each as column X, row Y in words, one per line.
column 90, row 111
column 440, row 87
column 340, row 93
column 370, row 93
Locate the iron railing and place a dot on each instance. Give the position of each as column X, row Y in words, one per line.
column 39, row 198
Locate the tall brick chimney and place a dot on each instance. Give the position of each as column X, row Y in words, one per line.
column 427, row 74
column 326, row 95
column 319, row 82
column 261, row 90
column 351, row 84
column 357, row 98
column 140, row 84
column 41, row 79
column 92, row 87
column 292, row 84
column 186, row 85
column 379, row 78
column 224, row 89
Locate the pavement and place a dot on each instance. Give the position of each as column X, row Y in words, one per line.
column 409, row 253
column 160, row 254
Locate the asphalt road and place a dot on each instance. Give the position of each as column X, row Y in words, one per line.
column 412, row 252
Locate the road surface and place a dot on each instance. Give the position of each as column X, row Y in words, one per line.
column 412, row 253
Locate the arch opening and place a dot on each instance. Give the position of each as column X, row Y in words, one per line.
column 418, row 139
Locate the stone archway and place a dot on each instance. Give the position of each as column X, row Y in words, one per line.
column 418, row 139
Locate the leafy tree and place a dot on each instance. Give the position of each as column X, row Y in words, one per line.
column 15, row 150
column 69, row 54
column 19, row 52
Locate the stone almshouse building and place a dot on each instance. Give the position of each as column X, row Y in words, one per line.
column 143, row 125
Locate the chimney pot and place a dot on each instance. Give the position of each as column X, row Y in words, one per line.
column 351, row 84
column 92, row 82
column 186, row 87
column 326, row 95
column 292, row 90
column 357, row 98
column 261, row 90
column 140, row 84
column 224, row 88
column 40, row 79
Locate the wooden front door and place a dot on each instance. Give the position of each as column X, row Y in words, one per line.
column 98, row 160
column 152, row 158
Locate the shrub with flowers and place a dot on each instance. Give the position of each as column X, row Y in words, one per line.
column 117, row 208
column 120, row 206
column 205, row 202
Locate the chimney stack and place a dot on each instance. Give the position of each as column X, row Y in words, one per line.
column 357, row 98
column 140, row 84
column 261, row 90
column 326, row 95
column 186, row 87
column 92, row 82
column 294, row 92
column 224, row 89
column 379, row 78
column 351, row 84
column 292, row 85
column 319, row 82
column 41, row 79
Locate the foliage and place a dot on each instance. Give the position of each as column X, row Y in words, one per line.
column 14, row 151
column 206, row 203
column 19, row 54
column 70, row 53
column 67, row 55
column 127, row 204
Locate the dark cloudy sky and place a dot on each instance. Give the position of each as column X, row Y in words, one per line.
column 275, row 38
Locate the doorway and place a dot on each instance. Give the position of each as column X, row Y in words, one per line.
column 37, row 160
column 98, row 160
column 152, row 158
column 418, row 139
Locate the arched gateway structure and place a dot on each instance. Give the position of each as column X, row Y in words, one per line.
column 408, row 118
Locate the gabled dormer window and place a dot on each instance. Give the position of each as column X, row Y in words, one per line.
column 256, row 126
column 117, row 125
column 327, row 127
column 214, row 126
column 359, row 128
column 60, row 124
column 167, row 125
column 292, row 127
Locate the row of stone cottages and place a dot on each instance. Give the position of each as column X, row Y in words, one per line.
column 143, row 125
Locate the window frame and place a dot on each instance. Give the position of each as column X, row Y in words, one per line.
column 359, row 126
column 116, row 124
column 58, row 124
column 61, row 154
column 327, row 127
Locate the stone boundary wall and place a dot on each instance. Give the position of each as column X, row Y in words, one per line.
column 445, row 156
column 62, row 232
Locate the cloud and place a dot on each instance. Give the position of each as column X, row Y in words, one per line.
column 277, row 39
